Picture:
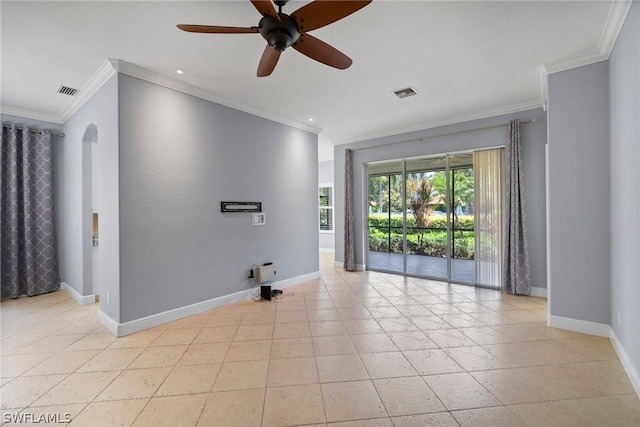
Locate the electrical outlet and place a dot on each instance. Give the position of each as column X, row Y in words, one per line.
column 251, row 276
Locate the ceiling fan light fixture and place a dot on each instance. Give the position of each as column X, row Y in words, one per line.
column 279, row 40
column 281, row 30
column 279, row 34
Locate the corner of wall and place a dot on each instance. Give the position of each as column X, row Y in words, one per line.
column 627, row 364
column 76, row 296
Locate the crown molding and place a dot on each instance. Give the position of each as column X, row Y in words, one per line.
column 99, row 78
column 168, row 82
column 617, row 15
column 543, row 92
column 113, row 66
column 615, row 20
column 476, row 115
column 574, row 62
column 27, row 114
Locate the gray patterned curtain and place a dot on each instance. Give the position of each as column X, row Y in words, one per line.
column 29, row 263
column 349, row 249
column 516, row 275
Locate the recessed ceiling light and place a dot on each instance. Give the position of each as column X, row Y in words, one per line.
column 180, row 71
column 310, row 119
column 406, row 92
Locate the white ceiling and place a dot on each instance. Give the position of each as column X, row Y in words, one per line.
column 466, row 59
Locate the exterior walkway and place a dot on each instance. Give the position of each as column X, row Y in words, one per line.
column 462, row 270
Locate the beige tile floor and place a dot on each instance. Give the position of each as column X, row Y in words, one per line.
column 350, row 349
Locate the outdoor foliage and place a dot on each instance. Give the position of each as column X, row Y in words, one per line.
column 381, row 221
column 425, row 194
column 428, row 242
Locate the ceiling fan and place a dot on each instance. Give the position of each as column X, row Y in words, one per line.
column 281, row 31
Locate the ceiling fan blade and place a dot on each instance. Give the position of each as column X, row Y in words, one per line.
column 322, row 52
column 214, row 29
column 324, row 12
column 265, row 7
column 268, row 61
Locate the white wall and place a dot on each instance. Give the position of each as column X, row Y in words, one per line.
column 579, row 202
column 624, row 114
column 75, row 198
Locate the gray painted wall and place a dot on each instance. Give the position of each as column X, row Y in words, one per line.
column 579, row 204
column 101, row 112
column 624, row 96
column 325, row 176
column 180, row 156
column 533, row 138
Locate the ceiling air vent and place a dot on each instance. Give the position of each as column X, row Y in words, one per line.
column 405, row 93
column 66, row 90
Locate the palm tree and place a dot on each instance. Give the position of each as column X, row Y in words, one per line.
column 420, row 202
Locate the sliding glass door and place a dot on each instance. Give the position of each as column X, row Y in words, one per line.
column 420, row 218
column 461, row 192
column 386, row 219
column 427, row 220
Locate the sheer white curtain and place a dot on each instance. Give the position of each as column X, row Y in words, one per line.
column 488, row 188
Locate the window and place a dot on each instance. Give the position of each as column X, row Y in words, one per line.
column 325, row 204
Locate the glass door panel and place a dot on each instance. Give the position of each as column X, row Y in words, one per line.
column 426, row 218
column 462, row 222
column 385, row 217
column 420, row 215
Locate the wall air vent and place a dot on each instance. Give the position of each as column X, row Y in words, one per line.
column 66, row 90
column 405, row 93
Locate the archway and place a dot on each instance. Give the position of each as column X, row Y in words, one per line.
column 90, row 215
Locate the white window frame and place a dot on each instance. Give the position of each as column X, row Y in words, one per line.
column 331, row 207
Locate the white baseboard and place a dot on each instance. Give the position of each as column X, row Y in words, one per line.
column 106, row 321
column 80, row 299
column 626, row 362
column 582, row 326
column 601, row 330
column 539, row 292
column 126, row 328
column 296, row 280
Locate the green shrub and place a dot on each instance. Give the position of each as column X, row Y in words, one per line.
column 381, row 222
column 385, row 235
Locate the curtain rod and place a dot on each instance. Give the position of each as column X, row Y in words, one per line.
column 61, row 135
column 522, row 122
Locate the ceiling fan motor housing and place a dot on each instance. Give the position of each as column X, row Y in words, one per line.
column 279, row 34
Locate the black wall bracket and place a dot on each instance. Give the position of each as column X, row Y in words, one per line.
column 241, row 206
